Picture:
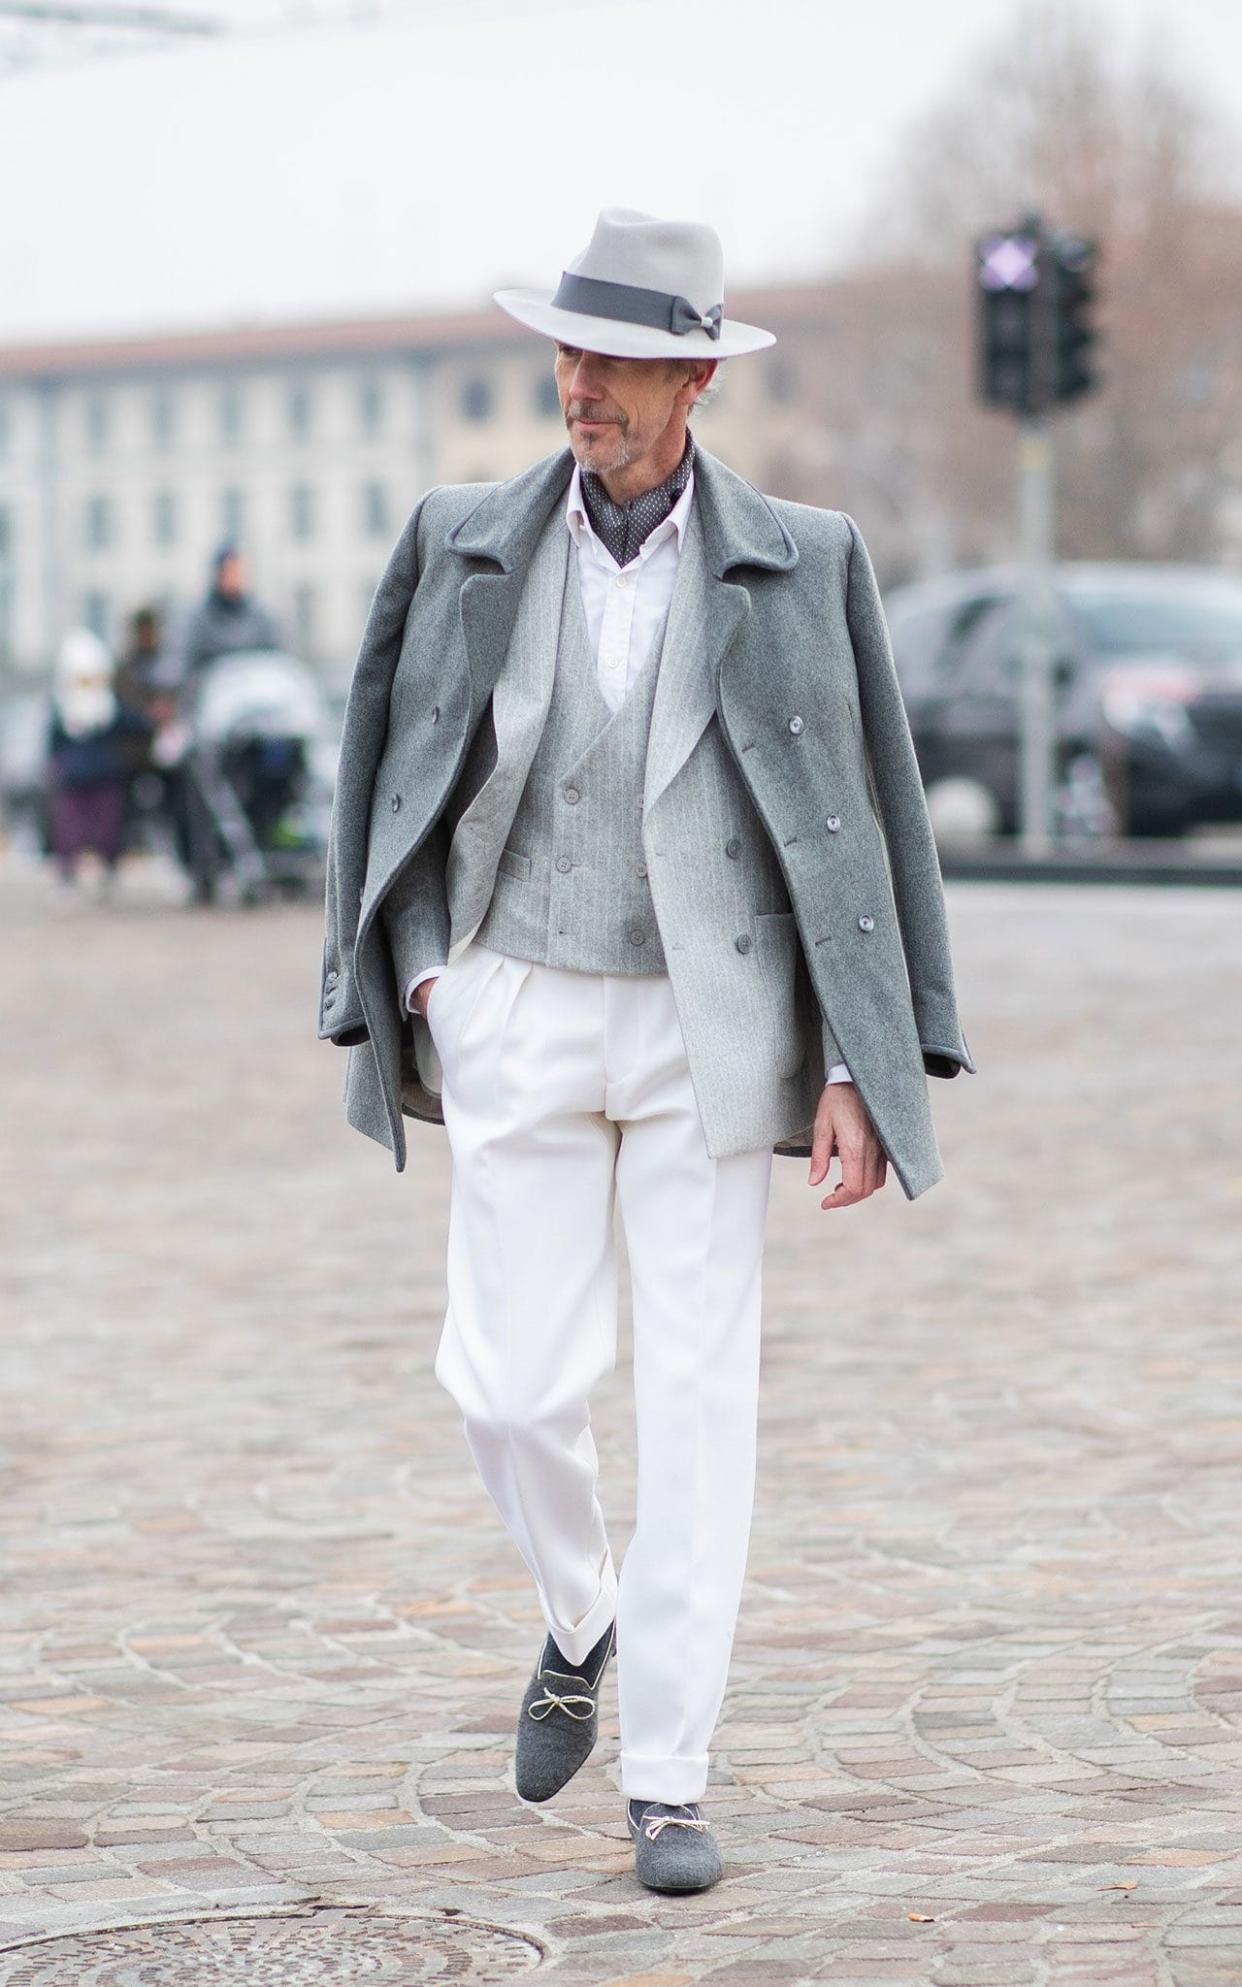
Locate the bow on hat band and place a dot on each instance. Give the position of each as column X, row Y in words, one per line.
column 631, row 304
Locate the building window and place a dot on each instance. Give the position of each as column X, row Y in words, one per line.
column 371, row 406
column 547, row 399
column 304, row 618
column 97, row 421
column 229, row 409
column 164, row 517
column 299, row 411
column 301, row 510
column 232, row 513
column 163, row 419
column 476, row 399
column 97, row 614
column 375, row 509
column 781, row 381
column 97, row 523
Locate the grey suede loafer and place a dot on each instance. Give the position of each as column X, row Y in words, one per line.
column 559, row 1720
column 674, row 1848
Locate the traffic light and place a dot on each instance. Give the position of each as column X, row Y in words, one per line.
column 1036, row 291
column 1007, row 274
column 1074, row 258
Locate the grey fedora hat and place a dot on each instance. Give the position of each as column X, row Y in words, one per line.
column 641, row 289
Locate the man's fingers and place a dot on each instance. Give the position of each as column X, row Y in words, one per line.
column 822, row 1144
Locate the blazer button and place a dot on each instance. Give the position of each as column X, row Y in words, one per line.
column 833, row 823
column 637, row 935
column 866, row 924
column 743, row 941
column 396, row 802
column 733, row 847
column 795, row 725
column 571, row 794
column 563, row 863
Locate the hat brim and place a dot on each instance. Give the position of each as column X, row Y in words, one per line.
column 629, row 341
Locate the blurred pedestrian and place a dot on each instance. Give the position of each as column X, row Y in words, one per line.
column 229, row 619
column 93, row 740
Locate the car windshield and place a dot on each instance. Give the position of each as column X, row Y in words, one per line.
column 1201, row 625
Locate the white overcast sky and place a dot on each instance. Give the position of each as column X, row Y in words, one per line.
column 387, row 168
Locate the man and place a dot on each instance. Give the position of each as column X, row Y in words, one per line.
column 228, row 620
column 625, row 769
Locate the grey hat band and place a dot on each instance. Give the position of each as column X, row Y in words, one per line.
column 631, row 304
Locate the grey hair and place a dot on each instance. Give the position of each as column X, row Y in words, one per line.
column 711, row 392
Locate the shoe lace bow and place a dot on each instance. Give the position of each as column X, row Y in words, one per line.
column 653, row 1824
column 554, row 1699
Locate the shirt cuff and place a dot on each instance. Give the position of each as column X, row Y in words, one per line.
column 838, row 1074
column 428, row 973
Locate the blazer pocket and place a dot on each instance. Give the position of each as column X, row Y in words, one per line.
column 513, row 864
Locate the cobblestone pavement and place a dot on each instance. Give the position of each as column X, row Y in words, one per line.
column 263, row 1641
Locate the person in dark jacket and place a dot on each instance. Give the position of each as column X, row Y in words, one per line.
column 228, row 620
column 94, row 740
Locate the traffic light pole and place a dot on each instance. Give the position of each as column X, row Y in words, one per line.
column 1038, row 729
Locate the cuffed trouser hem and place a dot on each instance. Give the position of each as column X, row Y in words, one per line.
column 646, row 1776
column 578, row 1641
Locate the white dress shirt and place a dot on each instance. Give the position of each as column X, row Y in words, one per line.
column 625, row 607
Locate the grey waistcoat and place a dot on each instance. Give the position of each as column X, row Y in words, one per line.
column 572, row 887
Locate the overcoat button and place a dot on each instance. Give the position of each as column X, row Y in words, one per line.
column 637, row 935
column 795, row 725
column 435, row 714
column 563, row 863
column 833, row 823
column 742, row 941
column 866, row 924
column 396, row 802
column 733, row 847
column 571, row 794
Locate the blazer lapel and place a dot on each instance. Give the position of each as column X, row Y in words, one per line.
column 696, row 633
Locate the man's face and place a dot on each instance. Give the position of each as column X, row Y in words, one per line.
column 231, row 575
column 617, row 409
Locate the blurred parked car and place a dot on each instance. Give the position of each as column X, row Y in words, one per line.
column 1147, row 673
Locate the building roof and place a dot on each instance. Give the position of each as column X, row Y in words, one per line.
column 363, row 337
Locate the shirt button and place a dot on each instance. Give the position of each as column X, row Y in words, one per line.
column 623, row 579
column 795, row 724
column 563, row 863
column 742, row 941
column 733, row 847
column 833, row 823
column 637, row 935
column 866, row 924
column 571, row 795
column 612, row 662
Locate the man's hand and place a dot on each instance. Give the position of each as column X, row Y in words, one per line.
column 843, row 1126
column 422, row 994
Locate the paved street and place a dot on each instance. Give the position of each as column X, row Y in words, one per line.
column 262, row 1640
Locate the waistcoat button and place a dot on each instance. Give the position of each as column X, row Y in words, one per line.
column 733, row 847
column 795, row 725
column 642, row 869
column 866, row 924
column 637, row 935
column 742, row 941
column 833, row 823
column 571, row 794
column 563, row 863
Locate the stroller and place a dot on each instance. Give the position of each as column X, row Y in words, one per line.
column 257, row 776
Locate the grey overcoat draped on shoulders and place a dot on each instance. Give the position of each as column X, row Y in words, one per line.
column 784, row 671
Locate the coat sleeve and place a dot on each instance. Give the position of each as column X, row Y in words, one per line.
column 914, row 864
column 363, row 733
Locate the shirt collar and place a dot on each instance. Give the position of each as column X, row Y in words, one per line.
column 582, row 531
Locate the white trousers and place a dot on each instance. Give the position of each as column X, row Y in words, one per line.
column 564, row 1093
